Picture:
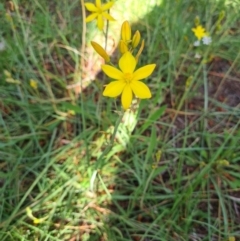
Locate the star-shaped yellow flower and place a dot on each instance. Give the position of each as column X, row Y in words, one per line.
column 33, row 83
column 99, row 12
column 199, row 32
column 127, row 80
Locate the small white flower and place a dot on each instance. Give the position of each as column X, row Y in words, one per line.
column 197, row 56
column 196, row 43
column 206, row 40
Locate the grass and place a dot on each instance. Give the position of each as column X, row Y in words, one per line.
column 171, row 172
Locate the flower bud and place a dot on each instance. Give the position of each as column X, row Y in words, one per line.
column 126, row 31
column 136, row 39
column 7, row 74
column 123, row 47
column 100, row 51
column 197, row 21
column 188, row 82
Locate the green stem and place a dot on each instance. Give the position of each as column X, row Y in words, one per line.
column 110, row 146
column 205, row 83
column 106, row 34
column 205, row 89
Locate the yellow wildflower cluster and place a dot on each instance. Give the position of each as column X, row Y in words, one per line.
column 126, row 78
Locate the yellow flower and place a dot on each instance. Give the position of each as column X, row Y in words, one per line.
column 100, row 51
column 127, row 80
column 33, row 83
column 99, row 12
column 199, row 32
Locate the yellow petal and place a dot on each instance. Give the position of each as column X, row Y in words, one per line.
column 140, row 90
column 91, row 17
column 108, row 16
column 100, row 51
column 112, row 72
column 136, row 39
column 126, row 31
column 126, row 97
column 127, row 63
column 100, row 22
column 114, row 89
column 143, row 72
column 91, row 7
column 98, row 4
column 107, row 6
